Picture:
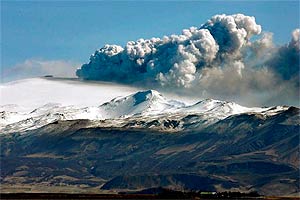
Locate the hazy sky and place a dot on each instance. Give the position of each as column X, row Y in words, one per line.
column 71, row 31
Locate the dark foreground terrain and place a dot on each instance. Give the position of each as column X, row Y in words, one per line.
column 163, row 194
column 244, row 153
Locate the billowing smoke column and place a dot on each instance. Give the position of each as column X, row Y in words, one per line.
column 216, row 60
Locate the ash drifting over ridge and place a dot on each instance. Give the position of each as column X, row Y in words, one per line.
column 218, row 60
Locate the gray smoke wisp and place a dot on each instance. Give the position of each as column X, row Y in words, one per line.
column 218, row 60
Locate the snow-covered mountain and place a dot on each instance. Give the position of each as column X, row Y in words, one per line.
column 57, row 132
column 142, row 109
column 149, row 102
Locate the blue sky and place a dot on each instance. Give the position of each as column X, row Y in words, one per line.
column 72, row 31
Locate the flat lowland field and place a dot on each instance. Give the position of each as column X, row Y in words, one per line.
column 126, row 196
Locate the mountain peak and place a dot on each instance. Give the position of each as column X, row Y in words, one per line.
column 142, row 96
column 141, row 102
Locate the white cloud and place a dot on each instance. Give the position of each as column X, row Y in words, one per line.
column 39, row 67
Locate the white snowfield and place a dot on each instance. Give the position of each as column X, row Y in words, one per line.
column 28, row 94
column 32, row 103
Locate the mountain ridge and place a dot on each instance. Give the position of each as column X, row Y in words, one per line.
column 149, row 105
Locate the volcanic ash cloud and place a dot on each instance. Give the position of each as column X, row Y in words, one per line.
column 217, row 60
